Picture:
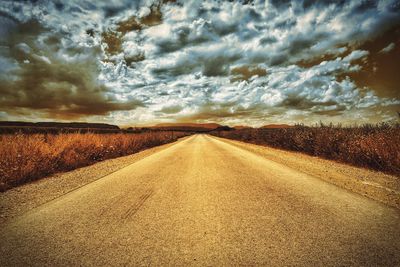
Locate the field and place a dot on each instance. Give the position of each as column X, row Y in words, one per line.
column 27, row 157
column 375, row 147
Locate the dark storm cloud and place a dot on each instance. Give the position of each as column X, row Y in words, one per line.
column 229, row 112
column 268, row 40
column 244, row 73
column 48, row 83
column 196, row 34
column 171, row 109
column 323, row 3
column 229, row 61
column 213, row 62
column 300, row 103
column 280, row 4
column 300, row 43
column 60, row 89
column 180, row 38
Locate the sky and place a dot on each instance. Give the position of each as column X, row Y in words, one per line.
column 250, row 63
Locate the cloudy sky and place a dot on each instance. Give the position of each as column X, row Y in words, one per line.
column 233, row 62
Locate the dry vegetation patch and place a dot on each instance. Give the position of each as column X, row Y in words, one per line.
column 26, row 157
column 375, row 147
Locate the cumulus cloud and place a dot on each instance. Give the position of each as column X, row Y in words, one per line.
column 356, row 54
column 57, row 79
column 247, row 62
column 388, row 48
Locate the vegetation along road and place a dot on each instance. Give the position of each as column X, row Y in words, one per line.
column 208, row 201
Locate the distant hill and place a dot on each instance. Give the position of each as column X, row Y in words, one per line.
column 10, row 127
column 74, row 125
column 276, row 126
column 196, row 127
column 241, row 127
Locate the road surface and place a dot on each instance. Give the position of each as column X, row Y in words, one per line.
column 203, row 201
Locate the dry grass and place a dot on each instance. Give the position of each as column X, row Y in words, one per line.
column 26, row 157
column 371, row 146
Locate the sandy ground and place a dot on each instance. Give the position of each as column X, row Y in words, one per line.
column 373, row 184
column 21, row 199
column 204, row 201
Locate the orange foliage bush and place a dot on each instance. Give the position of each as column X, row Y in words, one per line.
column 26, row 157
column 372, row 146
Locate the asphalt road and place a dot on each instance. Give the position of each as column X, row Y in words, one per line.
column 203, row 202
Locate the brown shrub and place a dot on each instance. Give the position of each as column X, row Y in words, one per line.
column 371, row 146
column 26, row 157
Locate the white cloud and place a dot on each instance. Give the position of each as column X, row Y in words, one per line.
column 190, row 55
column 356, row 54
column 388, row 48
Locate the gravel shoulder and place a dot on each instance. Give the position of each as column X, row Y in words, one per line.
column 204, row 201
column 21, row 199
column 376, row 185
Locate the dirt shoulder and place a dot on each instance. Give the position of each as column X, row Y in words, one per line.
column 23, row 198
column 206, row 202
column 376, row 185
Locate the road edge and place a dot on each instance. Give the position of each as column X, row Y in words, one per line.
column 355, row 179
column 21, row 199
